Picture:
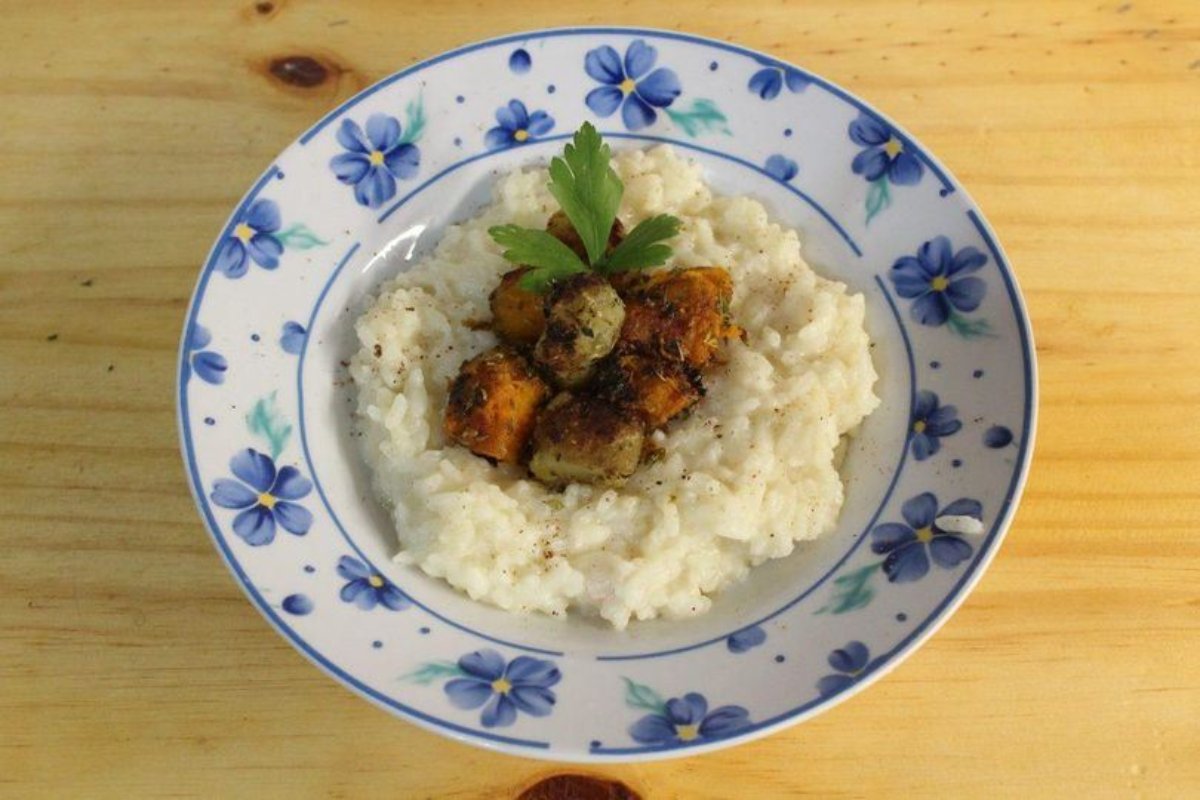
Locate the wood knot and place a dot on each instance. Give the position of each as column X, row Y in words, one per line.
column 264, row 8
column 578, row 787
column 303, row 71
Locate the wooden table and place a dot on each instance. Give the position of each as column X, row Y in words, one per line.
column 130, row 663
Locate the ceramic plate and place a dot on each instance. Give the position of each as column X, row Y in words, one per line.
column 932, row 480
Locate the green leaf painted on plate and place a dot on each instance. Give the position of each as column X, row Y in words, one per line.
column 968, row 328
column 299, row 237
column 414, row 121
column 434, row 670
column 878, row 198
column 267, row 421
column 639, row 695
column 852, row 590
column 702, row 117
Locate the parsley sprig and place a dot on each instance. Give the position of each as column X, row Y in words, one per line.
column 589, row 191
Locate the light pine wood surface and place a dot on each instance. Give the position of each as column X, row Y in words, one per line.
column 132, row 666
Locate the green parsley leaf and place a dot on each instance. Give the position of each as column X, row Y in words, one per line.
column 588, row 189
column 643, row 246
column 548, row 258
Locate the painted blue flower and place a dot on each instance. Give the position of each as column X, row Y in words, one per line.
column 938, row 281
column 521, row 685
column 367, row 588
column 292, row 338
column 253, row 239
column 517, row 126
column 631, row 85
column 850, row 662
column 781, row 168
column 909, row 546
column 930, row 422
column 208, row 364
column 375, row 160
column 746, row 639
column 685, row 719
column 769, row 80
column 265, row 496
column 520, row 62
column 883, row 154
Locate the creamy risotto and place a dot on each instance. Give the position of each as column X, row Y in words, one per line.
column 750, row 472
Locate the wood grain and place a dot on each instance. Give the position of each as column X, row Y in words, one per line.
column 131, row 665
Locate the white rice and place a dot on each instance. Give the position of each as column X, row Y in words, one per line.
column 752, row 471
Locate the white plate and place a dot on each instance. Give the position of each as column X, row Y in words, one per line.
column 263, row 405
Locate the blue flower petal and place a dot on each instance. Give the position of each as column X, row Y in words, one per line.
column 724, row 720
column 963, row 507
column 540, row 123
column 766, row 83
column 797, row 81
column 781, row 168
column 653, row 729
column 294, row 517
column 906, row 275
column 745, row 639
column 532, row 671
column 931, row 309
column 659, row 88
column 604, row 100
column 352, row 569
column 351, row 137
column 498, row 138
column 232, row 494
column 936, row 256
column 639, row 58
column 486, row 664
column 887, row 537
column 210, row 367
column 688, row 710
column 255, row 468
column 868, row 131
column 519, row 62
column 927, row 403
column 966, row 294
column 403, row 161
column 198, row 337
column 383, row 132
column 265, row 249
column 832, row 684
column 290, row 484
column 923, row 446
column 870, row 163
column 256, row 525
column 533, row 700
column 500, row 713
column 376, row 189
column 392, row 598
column 905, row 169
column 467, row 693
column 919, row 511
column 850, row 658
column 906, row 564
column 292, row 339
column 949, row 551
column 231, row 258
column 966, row 260
column 604, row 65
column 513, row 116
column 361, row 593
column 350, row 167
column 997, row 436
column 263, row 216
column 636, row 114
column 943, row 422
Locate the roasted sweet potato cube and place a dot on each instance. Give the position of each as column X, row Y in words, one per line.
column 561, row 228
column 494, row 403
column 656, row 389
column 680, row 314
column 518, row 315
column 584, row 439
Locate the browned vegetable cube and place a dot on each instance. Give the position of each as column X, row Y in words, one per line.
column 561, row 228
column 655, row 388
column 518, row 315
column 583, row 439
column 583, row 320
column 493, row 404
column 679, row 314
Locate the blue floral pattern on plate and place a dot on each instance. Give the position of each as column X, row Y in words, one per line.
column 774, row 75
column 680, row 720
column 515, row 125
column 504, row 690
column 884, row 160
column 850, row 662
column 630, row 84
column 941, row 285
column 265, row 496
column 208, row 364
column 367, row 589
column 376, row 158
column 930, row 422
column 910, row 545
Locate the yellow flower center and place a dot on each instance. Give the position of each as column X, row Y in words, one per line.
column 244, row 232
column 376, row 158
column 501, row 686
column 687, row 732
column 521, row 135
column 267, row 500
column 919, row 426
column 925, row 535
column 939, row 283
column 893, row 147
column 375, row 581
column 626, row 86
